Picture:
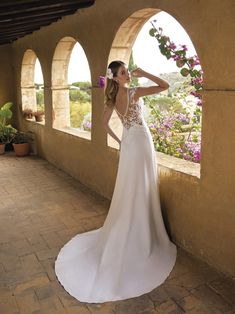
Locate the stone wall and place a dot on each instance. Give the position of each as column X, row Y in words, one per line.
column 7, row 82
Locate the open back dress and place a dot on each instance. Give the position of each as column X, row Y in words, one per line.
column 131, row 254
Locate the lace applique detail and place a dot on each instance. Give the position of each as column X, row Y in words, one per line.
column 133, row 113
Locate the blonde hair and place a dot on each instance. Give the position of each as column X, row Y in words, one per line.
column 111, row 88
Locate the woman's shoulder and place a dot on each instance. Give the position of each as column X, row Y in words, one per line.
column 134, row 92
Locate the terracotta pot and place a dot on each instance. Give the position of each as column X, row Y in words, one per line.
column 21, row 149
column 39, row 118
column 2, row 149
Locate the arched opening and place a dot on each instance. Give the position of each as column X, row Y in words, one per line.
column 79, row 78
column 127, row 33
column 130, row 42
column 71, row 88
column 32, row 87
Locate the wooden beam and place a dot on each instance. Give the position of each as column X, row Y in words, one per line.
column 20, row 18
column 19, row 6
column 29, row 22
column 15, row 16
column 12, row 4
column 16, row 31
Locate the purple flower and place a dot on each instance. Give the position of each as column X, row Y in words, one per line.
column 180, row 150
column 152, row 126
column 186, row 156
column 176, row 57
column 197, row 80
column 184, row 47
column 102, row 81
column 87, row 125
column 199, row 102
column 183, row 118
column 195, row 94
column 172, row 45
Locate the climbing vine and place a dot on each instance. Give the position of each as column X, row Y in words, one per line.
column 178, row 134
column 179, row 54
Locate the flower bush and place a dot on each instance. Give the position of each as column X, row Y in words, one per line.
column 175, row 134
column 86, row 123
column 178, row 134
column 187, row 63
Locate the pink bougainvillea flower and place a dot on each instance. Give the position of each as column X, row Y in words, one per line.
column 176, row 57
column 102, row 81
column 184, row 47
column 172, row 45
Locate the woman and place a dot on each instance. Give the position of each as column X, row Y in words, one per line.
column 131, row 254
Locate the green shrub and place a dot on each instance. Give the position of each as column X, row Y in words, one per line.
column 77, row 113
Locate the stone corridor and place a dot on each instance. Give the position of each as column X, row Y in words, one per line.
column 41, row 208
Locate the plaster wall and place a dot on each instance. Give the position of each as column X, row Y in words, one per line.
column 7, row 83
column 199, row 212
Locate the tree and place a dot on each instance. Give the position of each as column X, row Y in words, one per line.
column 132, row 66
column 86, row 86
column 40, row 97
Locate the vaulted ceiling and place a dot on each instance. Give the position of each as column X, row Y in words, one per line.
column 22, row 17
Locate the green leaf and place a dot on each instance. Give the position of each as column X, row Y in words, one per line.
column 180, row 63
column 184, row 71
column 168, row 55
column 5, row 112
column 6, row 106
column 152, row 32
column 197, row 86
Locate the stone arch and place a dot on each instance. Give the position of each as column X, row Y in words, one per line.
column 28, row 91
column 60, row 87
column 127, row 33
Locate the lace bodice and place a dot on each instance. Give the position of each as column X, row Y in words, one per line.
column 133, row 114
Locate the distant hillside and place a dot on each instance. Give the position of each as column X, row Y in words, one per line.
column 173, row 78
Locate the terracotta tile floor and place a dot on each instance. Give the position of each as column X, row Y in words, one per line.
column 41, row 208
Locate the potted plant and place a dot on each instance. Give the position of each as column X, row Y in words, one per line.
column 39, row 115
column 5, row 113
column 7, row 133
column 28, row 113
column 21, row 143
column 2, row 143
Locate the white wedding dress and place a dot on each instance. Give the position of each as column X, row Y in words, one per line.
column 131, row 254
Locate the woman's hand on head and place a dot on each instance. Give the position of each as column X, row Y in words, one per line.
column 138, row 72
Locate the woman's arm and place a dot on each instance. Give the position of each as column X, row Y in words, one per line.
column 144, row 91
column 106, row 117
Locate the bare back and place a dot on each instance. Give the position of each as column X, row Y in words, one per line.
column 122, row 101
column 129, row 109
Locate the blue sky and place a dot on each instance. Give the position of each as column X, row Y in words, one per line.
column 149, row 58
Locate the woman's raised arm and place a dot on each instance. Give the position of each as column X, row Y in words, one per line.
column 144, row 91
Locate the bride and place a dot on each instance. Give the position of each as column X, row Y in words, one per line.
column 131, row 254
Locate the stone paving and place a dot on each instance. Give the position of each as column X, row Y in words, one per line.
column 41, row 208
